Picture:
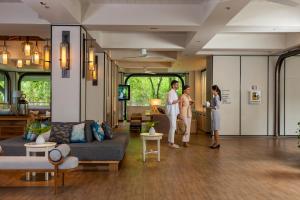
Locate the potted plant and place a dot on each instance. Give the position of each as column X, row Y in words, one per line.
column 37, row 128
column 150, row 127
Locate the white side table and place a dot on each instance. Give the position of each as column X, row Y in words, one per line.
column 145, row 137
column 32, row 148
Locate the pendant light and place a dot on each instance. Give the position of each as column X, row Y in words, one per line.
column 19, row 63
column 4, row 54
column 36, row 54
column 27, row 62
column 47, row 60
column 27, row 48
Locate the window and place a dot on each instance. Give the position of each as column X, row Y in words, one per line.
column 144, row 87
column 4, row 88
column 37, row 89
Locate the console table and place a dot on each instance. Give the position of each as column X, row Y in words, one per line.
column 11, row 126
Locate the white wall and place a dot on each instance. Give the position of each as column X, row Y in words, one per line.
column 66, row 91
column 254, row 117
column 260, row 71
column 226, row 74
column 95, row 94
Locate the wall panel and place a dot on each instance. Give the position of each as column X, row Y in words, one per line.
column 226, row 74
column 254, row 117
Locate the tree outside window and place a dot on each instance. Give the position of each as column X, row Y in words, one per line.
column 144, row 88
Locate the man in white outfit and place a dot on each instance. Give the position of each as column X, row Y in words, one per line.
column 172, row 111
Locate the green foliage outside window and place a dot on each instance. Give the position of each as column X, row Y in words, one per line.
column 37, row 91
column 144, row 88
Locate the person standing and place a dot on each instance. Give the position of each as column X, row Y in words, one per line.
column 185, row 107
column 172, row 111
column 215, row 116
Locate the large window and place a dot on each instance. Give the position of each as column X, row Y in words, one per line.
column 4, row 88
column 37, row 89
column 143, row 88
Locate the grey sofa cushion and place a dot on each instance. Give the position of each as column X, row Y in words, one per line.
column 113, row 149
column 88, row 131
column 61, row 132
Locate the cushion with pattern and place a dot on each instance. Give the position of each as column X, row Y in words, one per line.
column 61, row 132
column 107, row 130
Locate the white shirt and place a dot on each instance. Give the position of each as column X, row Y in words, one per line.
column 172, row 109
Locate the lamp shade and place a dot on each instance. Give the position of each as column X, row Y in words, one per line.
column 4, row 57
column 27, row 49
column 19, row 63
column 155, row 102
column 91, row 59
column 64, row 55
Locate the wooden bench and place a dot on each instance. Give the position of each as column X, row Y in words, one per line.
column 58, row 162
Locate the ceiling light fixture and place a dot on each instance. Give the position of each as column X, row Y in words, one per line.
column 27, row 48
column 4, row 54
column 36, row 54
column 19, row 63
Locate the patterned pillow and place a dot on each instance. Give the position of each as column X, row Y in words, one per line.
column 30, row 137
column 107, row 130
column 97, row 131
column 61, row 132
column 77, row 135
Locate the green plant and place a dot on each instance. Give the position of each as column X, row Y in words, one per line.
column 37, row 127
column 298, row 132
column 150, row 124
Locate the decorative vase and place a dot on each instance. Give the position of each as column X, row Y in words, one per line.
column 152, row 131
column 40, row 140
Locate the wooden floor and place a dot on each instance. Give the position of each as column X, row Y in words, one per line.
column 257, row 168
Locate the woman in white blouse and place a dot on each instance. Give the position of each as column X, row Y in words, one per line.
column 172, row 111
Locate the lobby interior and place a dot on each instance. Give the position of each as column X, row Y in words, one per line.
column 82, row 83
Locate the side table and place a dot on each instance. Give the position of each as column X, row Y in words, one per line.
column 147, row 136
column 32, row 148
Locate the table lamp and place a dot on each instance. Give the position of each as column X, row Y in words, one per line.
column 154, row 104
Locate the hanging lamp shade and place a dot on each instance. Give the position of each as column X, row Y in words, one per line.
column 36, row 54
column 4, row 54
column 19, row 63
column 27, row 48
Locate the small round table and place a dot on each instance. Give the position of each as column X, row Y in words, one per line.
column 147, row 136
column 32, row 148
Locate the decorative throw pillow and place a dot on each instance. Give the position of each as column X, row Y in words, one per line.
column 30, row 137
column 107, row 130
column 77, row 135
column 61, row 132
column 97, row 131
column 88, row 131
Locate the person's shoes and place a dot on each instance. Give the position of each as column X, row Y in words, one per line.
column 216, row 146
column 211, row 146
column 185, row 144
column 175, row 146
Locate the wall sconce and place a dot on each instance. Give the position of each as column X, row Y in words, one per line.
column 19, row 63
column 95, row 72
column 91, row 58
column 4, row 54
column 27, row 48
column 36, row 54
column 65, row 54
column 47, row 60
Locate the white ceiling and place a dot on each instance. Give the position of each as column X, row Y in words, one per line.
column 167, row 28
